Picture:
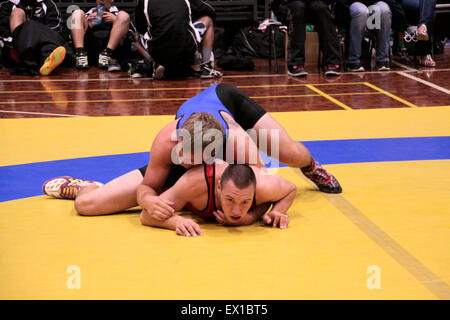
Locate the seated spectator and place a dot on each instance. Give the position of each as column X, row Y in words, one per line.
column 102, row 31
column 359, row 13
column 173, row 32
column 422, row 11
column 34, row 27
column 293, row 13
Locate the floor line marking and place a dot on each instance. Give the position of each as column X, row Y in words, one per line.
column 176, row 99
column 393, row 96
column 233, row 76
column 420, row 272
column 427, row 83
column 404, row 66
column 430, row 280
column 44, row 113
column 329, row 97
column 176, row 89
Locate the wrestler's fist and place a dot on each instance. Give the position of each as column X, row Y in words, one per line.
column 159, row 209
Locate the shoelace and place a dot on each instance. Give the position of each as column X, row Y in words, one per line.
column 82, row 58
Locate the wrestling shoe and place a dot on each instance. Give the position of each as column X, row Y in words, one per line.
column 324, row 180
column 53, row 60
column 66, row 187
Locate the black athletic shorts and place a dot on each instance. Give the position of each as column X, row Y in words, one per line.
column 176, row 171
column 244, row 110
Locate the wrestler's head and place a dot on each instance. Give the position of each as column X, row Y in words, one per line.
column 237, row 188
column 201, row 139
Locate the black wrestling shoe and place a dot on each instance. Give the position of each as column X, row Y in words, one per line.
column 324, row 180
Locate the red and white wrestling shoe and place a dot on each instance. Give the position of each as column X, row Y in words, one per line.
column 66, row 187
column 324, row 180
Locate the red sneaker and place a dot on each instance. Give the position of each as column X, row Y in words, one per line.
column 324, row 180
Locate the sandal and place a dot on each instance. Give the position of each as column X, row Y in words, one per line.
column 427, row 61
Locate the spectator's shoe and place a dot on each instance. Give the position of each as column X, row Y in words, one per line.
column 136, row 70
column 427, row 61
column 159, row 71
column 332, row 70
column 403, row 54
column 422, row 33
column 297, row 71
column 66, row 187
column 324, row 180
column 53, row 60
column 81, row 59
column 207, row 71
column 355, row 67
column 104, row 58
column 383, row 66
column 114, row 65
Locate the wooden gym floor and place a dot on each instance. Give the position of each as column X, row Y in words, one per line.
column 385, row 136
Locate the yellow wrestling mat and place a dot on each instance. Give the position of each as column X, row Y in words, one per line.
column 385, row 237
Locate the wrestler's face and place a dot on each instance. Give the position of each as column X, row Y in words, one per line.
column 235, row 202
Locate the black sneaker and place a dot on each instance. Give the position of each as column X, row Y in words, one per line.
column 332, row 70
column 297, row 71
column 355, row 67
column 114, row 65
column 383, row 66
column 81, row 59
column 159, row 71
column 207, row 71
column 324, row 180
column 104, row 58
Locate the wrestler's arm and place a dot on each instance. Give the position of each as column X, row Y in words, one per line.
column 279, row 191
column 157, row 172
column 274, row 188
column 179, row 195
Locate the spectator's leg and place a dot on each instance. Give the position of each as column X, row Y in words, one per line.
column 207, row 43
column 327, row 31
column 384, row 34
column 78, row 28
column 119, row 30
column 208, row 39
column 358, row 14
column 427, row 12
column 16, row 18
column 297, row 33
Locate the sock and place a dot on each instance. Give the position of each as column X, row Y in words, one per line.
column 77, row 50
column 206, row 54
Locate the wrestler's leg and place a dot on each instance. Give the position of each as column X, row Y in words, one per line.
column 115, row 196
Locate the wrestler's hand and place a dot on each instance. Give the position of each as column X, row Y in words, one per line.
column 158, row 208
column 188, row 227
column 276, row 219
